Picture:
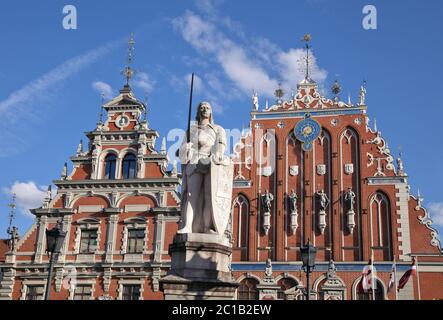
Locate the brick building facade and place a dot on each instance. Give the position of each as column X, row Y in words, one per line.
column 120, row 209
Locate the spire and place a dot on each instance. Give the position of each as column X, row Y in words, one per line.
column 100, row 116
column 64, row 174
column 48, row 197
column 163, row 147
column 400, row 167
column 375, row 125
column 307, row 38
column 128, row 72
column 174, row 172
column 11, row 215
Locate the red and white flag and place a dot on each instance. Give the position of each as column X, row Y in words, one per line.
column 368, row 277
column 412, row 271
column 392, row 277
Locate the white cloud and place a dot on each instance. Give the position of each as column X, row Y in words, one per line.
column 436, row 212
column 28, row 195
column 205, row 37
column 103, row 88
column 198, row 83
column 28, row 105
column 143, row 82
column 38, row 88
column 255, row 64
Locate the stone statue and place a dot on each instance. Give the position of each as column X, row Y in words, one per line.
column 350, row 197
column 207, row 177
column 255, row 101
column 293, row 201
column 267, row 198
column 324, row 201
column 268, row 270
column 362, row 95
column 15, row 237
column 80, row 148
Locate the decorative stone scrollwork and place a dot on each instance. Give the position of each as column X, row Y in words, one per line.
column 321, row 169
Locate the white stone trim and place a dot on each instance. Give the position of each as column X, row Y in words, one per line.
column 28, row 282
column 82, row 282
column 122, row 282
column 136, row 207
column 90, row 208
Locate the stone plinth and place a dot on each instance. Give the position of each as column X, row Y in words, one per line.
column 200, row 268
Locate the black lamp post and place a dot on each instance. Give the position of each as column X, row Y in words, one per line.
column 54, row 242
column 308, row 253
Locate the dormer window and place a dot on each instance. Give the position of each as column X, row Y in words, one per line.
column 129, row 166
column 110, row 165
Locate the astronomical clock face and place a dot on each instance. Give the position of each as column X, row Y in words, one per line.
column 307, row 131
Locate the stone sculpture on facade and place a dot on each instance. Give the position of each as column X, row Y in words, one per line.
column 293, row 211
column 350, row 200
column 266, row 199
column 324, row 202
column 255, row 105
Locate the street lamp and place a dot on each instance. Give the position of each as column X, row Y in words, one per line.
column 54, row 242
column 308, row 253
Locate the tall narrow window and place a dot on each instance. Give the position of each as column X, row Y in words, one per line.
column 110, row 163
column 131, row 292
column 34, row 293
column 129, row 166
column 136, row 239
column 88, row 241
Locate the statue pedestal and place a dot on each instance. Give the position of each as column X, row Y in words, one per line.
column 200, row 268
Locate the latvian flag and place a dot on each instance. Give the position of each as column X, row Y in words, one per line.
column 368, row 274
column 412, row 271
column 392, row 277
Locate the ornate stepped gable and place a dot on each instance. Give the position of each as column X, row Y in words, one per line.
column 346, row 155
column 119, row 186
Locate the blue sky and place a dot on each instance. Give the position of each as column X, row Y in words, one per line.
column 51, row 78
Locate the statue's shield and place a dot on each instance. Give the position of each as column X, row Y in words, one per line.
column 221, row 193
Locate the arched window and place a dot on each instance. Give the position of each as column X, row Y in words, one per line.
column 376, row 294
column 110, row 162
column 248, row 289
column 241, row 214
column 285, row 284
column 129, row 166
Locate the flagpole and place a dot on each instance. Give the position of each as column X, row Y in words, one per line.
column 395, row 280
column 418, row 277
column 372, row 275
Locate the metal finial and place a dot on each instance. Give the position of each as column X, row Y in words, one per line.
column 307, row 38
column 11, row 215
column 279, row 93
column 145, row 112
column 336, row 88
column 128, row 72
